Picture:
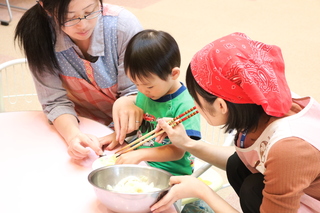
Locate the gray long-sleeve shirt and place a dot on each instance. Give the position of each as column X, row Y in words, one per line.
column 61, row 94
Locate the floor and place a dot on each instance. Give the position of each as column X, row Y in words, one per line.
column 291, row 25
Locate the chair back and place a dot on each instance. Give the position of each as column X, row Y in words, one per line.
column 205, row 171
column 215, row 134
column 17, row 90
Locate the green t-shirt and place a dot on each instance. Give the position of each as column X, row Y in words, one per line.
column 170, row 105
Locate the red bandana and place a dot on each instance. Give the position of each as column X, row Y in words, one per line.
column 244, row 71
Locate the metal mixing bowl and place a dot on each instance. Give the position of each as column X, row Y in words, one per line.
column 128, row 202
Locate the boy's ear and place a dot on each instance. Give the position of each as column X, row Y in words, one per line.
column 175, row 73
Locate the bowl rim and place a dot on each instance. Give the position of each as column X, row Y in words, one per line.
column 128, row 165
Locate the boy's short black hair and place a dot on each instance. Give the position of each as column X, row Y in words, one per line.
column 151, row 52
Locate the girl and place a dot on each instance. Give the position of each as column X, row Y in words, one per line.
column 240, row 83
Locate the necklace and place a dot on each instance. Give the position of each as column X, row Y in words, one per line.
column 243, row 137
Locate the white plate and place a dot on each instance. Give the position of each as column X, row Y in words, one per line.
column 104, row 161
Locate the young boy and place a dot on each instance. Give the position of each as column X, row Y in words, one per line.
column 152, row 62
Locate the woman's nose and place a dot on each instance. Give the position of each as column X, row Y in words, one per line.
column 82, row 24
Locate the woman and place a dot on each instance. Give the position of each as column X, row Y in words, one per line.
column 240, row 83
column 75, row 50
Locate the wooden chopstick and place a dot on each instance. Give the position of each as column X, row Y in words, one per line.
column 159, row 133
column 172, row 123
column 153, row 131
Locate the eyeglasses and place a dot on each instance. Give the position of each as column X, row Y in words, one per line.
column 75, row 21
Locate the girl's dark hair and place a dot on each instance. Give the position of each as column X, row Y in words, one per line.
column 151, row 51
column 241, row 116
column 36, row 34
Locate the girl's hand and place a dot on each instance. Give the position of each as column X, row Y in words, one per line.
column 109, row 140
column 127, row 117
column 181, row 189
column 177, row 134
column 77, row 145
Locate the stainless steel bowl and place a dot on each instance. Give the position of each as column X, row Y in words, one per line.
column 128, row 202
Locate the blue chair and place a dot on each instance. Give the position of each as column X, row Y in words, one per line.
column 205, row 171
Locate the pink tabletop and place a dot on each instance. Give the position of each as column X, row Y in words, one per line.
column 37, row 174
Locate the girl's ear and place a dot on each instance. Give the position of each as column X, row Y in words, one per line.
column 175, row 73
column 221, row 105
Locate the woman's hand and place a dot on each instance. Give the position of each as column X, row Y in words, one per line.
column 77, row 141
column 127, row 117
column 177, row 134
column 77, row 145
column 183, row 187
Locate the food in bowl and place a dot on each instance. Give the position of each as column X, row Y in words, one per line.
column 133, row 184
column 125, row 202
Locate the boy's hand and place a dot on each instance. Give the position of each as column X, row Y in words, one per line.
column 132, row 157
column 109, row 141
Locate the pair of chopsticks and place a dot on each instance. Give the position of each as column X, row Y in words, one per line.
column 175, row 121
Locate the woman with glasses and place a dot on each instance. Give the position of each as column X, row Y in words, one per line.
column 75, row 51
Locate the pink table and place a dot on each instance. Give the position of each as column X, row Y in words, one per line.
column 37, row 174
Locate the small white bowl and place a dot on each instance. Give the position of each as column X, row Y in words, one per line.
column 107, row 160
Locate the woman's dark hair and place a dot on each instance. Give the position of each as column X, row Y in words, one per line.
column 36, row 34
column 241, row 116
column 151, row 51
